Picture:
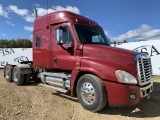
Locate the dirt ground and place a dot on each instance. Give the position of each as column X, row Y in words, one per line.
column 32, row 102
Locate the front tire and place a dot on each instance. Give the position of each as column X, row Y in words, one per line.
column 91, row 93
column 18, row 78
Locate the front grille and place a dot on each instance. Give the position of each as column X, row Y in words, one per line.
column 144, row 70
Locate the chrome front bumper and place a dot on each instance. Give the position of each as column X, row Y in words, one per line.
column 145, row 91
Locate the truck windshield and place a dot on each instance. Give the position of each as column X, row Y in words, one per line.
column 89, row 35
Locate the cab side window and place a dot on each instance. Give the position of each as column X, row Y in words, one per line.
column 38, row 40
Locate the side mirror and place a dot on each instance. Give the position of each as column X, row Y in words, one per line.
column 59, row 34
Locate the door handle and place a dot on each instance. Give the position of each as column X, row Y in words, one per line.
column 55, row 60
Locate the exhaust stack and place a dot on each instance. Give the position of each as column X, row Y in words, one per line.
column 35, row 13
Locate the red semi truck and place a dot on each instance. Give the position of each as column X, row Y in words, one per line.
column 72, row 54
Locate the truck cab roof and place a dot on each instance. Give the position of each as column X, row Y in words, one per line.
column 62, row 17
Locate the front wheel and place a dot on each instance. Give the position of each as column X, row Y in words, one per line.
column 91, row 93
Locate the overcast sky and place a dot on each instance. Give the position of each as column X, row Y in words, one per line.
column 121, row 19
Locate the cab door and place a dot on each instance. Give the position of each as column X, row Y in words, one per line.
column 64, row 52
column 37, row 49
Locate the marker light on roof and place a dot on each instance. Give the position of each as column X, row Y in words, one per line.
column 76, row 20
column 61, row 15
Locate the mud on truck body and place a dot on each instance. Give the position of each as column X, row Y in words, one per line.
column 72, row 54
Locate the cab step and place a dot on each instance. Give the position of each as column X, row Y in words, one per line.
column 57, row 89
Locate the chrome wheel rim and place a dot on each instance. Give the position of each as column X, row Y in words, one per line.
column 15, row 75
column 88, row 93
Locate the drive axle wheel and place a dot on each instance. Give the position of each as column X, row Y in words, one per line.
column 91, row 93
column 18, row 78
column 8, row 73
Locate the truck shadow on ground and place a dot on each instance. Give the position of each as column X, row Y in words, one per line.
column 150, row 108
column 32, row 83
column 66, row 96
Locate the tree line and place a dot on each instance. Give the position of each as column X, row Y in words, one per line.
column 18, row 43
column 25, row 43
column 114, row 42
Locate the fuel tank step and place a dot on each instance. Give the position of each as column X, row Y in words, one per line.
column 54, row 88
column 56, row 79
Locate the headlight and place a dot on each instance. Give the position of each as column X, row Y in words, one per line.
column 125, row 77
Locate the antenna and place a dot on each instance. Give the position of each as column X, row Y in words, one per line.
column 47, row 14
column 47, row 6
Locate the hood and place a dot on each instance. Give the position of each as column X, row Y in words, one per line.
column 113, row 58
column 103, row 50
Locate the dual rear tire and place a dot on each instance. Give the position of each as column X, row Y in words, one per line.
column 8, row 73
column 18, row 78
column 14, row 75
